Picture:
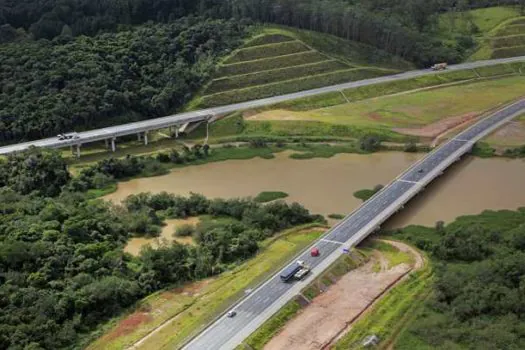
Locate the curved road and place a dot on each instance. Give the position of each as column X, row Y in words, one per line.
column 253, row 310
column 206, row 114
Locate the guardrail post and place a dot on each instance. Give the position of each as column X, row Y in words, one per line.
column 113, row 148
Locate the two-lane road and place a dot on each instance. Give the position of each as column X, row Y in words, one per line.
column 206, row 114
column 253, row 310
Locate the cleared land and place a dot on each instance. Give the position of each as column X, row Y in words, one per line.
column 511, row 134
column 168, row 317
column 424, row 113
column 330, row 313
column 279, row 61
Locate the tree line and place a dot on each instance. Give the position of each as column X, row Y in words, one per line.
column 63, row 271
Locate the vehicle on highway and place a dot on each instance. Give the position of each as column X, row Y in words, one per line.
column 421, row 170
column 290, row 271
column 231, row 313
column 301, row 273
column 439, row 66
column 314, row 252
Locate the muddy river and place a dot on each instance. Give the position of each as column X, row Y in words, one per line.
column 327, row 185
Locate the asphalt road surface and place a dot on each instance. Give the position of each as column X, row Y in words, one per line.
column 205, row 114
column 226, row 333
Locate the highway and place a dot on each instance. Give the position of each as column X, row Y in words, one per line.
column 268, row 298
column 111, row 133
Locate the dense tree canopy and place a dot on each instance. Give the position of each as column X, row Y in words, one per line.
column 478, row 300
column 62, row 266
column 145, row 72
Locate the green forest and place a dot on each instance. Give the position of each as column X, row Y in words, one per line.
column 78, row 64
column 478, row 299
column 63, row 271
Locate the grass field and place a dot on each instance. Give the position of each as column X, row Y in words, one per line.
column 214, row 296
column 414, row 109
column 281, row 60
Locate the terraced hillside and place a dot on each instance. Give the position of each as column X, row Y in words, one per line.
column 509, row 40
column 275, row 63
column 504, row 40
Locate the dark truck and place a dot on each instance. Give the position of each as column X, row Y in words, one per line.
column 297, row 270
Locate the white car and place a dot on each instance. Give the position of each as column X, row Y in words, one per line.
column 231, row 313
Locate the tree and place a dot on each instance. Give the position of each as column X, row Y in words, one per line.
column 370, row 143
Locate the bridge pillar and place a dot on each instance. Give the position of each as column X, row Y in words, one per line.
column 145, row 138
column 106, row 143
column 139, row 137
column 78, row 150
column 177, row 132
column 113, row 148
column 207, row 131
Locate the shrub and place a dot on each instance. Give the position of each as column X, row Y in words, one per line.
column 184, row 230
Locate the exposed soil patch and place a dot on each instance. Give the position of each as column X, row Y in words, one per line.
column 330, row 313
column 129, row 324
column 439, row 127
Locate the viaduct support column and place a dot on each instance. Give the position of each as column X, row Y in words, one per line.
column 145, row 138
column 139, row 137
column 78, row 150
column 113, row 148
column 106, row 143
column 177, row 132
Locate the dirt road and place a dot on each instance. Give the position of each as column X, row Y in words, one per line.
column 330, row 313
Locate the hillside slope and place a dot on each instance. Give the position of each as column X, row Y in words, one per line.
column 280, row 61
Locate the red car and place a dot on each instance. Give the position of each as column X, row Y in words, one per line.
column 314, row 252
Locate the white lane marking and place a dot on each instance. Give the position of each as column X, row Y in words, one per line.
column 408, row 181
column 461, row 140
column 329, row 241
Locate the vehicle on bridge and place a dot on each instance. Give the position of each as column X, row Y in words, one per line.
column 72, row 136
column 439, row 66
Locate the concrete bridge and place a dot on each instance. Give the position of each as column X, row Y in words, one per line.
column 177, row 121
column 271, row 295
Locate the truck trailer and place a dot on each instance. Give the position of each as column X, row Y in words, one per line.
column 439, row 66
column 296, row 271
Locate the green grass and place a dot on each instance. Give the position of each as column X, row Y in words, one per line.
column 268, row 196
column 265, row 39
column 336, row 216
column 509, row 52
column 215, row 297
column 389, row 315
column 270, row 63
column 289, row 86
column 376, row 90
column 513, row 29
column 274, row 75
column 418, row 108
column 507, row 41
column 271, row 327
column 499, row 69
column 266, row 51
column 393, row 255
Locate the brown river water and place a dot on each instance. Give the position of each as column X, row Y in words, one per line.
column 326, row 185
